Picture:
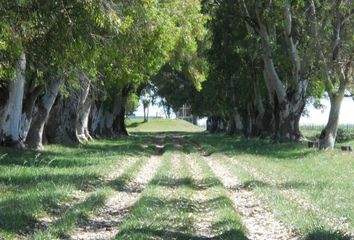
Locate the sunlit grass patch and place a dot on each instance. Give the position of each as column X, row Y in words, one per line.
column 323, row 178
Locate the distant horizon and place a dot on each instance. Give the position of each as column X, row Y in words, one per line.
column 315, row 116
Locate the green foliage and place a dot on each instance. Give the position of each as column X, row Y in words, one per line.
column 343, row 135
column 158, row 32
column 234, row 64
column 132, row 103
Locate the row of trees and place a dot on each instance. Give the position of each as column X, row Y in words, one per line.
column 69, row 69
column 267, row 59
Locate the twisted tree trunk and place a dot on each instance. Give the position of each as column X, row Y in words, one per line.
column 61, row 125
column 83, row 111
column 35, row 135
column 109, row 121
column 289, row 99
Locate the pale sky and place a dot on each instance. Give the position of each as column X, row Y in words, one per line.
column 316, row 116
column 320, row 117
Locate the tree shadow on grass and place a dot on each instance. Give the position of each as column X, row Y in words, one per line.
column 166, row 226
column 29, row 181
column 37, row 182
column 78, row 156
column 135, row 124
column 186, row 182
column 18, row 213
column 231, row 145
column 321, row 234
column 72, row 217
column 150, row 233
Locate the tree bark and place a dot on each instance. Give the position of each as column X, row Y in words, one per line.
column 329, row 133
column 104, row 120
column 61, row 125
column 145, row 114
column 35, row 135
column 28, row 110
column 289, row 101
column 110, row 118
column 11, row 117
column 119, row 123
column 83, row 111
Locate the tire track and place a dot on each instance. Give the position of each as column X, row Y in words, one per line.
column 79, row 196
column 303, row 202
column 260, row 223
column 203, row 217
column 105, row 223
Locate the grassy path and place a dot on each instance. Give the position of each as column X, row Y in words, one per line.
column 260, row 223
column 167, row 186
column 87, row 203
column 310, row 192
column 104, row 223
column 183, row 201
column 127, row 190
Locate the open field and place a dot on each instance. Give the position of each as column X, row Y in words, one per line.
column 161, row 125
column 176, row 186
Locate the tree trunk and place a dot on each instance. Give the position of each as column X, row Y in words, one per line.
column 110, row 121
column 235, row 124
column 329, row 133
column 35, row 135
column 61, row 125
column 11, row 117
column 28, row 110
column 119, row 123
column 287, row 118
column 289, row 98
column 83, row 111
column 212, row 124
column 145, row 114
column 104, row 120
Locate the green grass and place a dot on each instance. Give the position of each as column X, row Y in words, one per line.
column 161, row 125
column 36, row 185
column 324, row 178
column 42, row 185
column 166, row 209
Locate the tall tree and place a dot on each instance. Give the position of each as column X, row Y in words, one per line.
column 333, row 24
column 286, row 56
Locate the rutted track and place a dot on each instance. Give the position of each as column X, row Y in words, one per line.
column 105, row 223
column 260, row 223
column 203, row 218
column 341, row 225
